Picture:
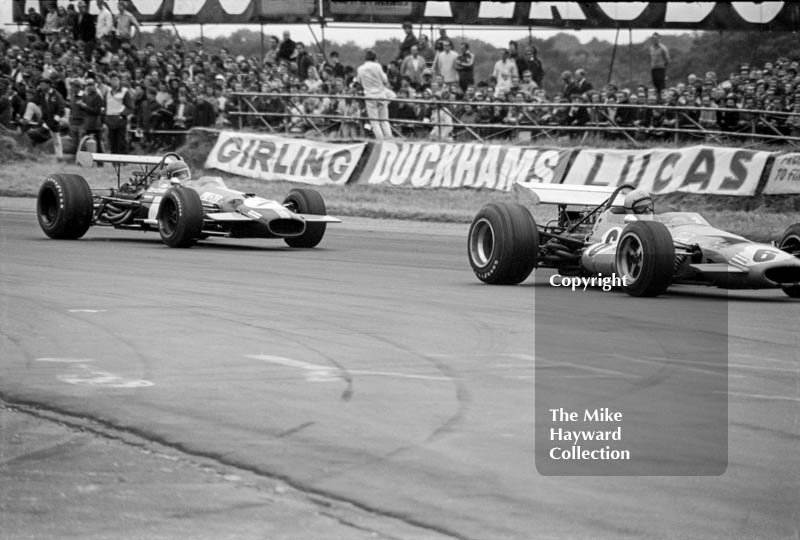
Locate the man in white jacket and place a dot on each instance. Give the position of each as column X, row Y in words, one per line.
column 375, row 84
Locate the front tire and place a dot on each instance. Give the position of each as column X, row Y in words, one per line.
column 64, row 206
column 306, row 201
column 503, row 244
column 646, row 257
column 180, row 217
column 790, row 243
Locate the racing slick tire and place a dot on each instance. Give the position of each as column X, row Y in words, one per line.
column 180, row 217
column 306, row 201
column 646, row 256
column 65, row 206
column 790, row 243
column 503, row 244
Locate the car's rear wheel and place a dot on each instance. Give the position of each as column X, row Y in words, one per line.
column 306, row 201
column 503, row 244
column 180, row 217
column 645, row 258
column 64, row 206
column 790, row 243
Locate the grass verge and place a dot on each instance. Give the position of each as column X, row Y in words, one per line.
column 760, row 218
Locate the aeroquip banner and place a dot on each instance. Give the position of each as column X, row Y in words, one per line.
column 270, row 157
column 784, row 176
column 448, row 165
column 696, row 169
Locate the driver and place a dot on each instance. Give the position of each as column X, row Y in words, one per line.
column 639, row 202
column 177, row 172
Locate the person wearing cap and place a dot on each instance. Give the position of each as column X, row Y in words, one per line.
column 413, row 66
column 119, row 106
column 659, row 60
column 409, row 41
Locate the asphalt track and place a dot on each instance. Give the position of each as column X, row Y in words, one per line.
column 375, row 370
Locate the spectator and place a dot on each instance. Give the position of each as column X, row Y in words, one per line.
column 445, row 63
column 105, row 21
column 582, row 86
column 527, row 86
column 443, row 38
column 271, row 55
column 535, row 66
column 52, row 24
column 351, row 114
column 374, row 84
column 426, row 51
column 92, row 107
column 409, row 41
column 413, row 66
column 84, row 29
column 337, row 69
column 569, row 87
column 303, row 59
column 119, row 106
column 286, row 50
column 708, row 116
column 504, row 70
column 465, row 66
column 659, row 60
column 126, row 22
column 53, row 110
column 35, row 22
column 519, row 59
column 441, row 120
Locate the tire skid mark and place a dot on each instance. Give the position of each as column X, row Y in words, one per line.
column 139, row 438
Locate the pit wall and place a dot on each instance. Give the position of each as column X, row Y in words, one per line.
column 694, row 169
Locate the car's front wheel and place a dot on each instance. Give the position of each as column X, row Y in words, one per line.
column 645, row 258
column 306, row 201
column 503, row 244
column 180, row 217
column 64, row 206
column 790, row 243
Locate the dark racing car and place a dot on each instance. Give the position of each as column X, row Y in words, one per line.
column 163, row 197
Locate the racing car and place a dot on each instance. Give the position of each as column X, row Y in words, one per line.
column 593, row 235
column 183, row 211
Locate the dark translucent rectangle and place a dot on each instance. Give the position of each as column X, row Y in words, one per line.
column 649, row 374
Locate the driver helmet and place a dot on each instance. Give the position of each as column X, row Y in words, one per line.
column 178, row 170
column 639, row 202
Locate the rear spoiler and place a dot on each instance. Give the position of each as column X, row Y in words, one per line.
column 87, row 159
column 571, row 195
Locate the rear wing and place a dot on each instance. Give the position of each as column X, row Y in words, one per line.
column 565, row 194
column 89, row 159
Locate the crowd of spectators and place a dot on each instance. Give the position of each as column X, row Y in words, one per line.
column 94, row 74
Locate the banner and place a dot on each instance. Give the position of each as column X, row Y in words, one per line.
column 572, row 15
column 784, row 176
column 270, row 157
column 196, row 11
column 696, row 169
column 566, row 15
column 477, row 166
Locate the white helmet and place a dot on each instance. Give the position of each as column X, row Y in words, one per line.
column 639, row 201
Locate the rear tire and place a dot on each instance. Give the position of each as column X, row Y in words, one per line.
column 790, row 243
column 306, row 201
column 646, row 257
column 180, row 217
column 503, row 244
column 64, row 206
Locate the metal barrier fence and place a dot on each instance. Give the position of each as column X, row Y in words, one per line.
column 275, row 111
